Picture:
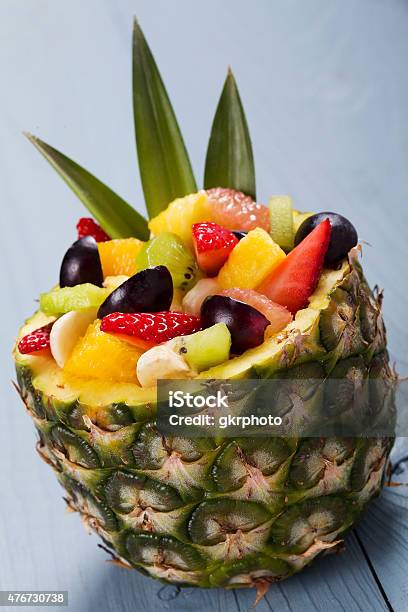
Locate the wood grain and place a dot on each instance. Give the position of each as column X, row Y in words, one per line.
column 384, row 533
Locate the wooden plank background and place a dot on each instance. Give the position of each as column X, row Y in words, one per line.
column 325, row 87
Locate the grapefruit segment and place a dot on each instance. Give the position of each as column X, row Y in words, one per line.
column 278, row 315
column 236, row 211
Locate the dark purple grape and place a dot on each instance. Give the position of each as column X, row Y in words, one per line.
column 246, row 324
column 81, row 264
column 343, row 235
column 239, row 234
column 150, row 290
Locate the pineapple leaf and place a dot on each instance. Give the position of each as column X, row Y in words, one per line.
column 113, row 214
column 165, row 168
column 230, row 162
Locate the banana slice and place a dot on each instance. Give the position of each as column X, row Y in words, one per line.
column 161, row 362
column 113, row 282
column 193, row 300
column 67, row 330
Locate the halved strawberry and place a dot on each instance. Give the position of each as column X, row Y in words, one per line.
column 86, row 226
column 293, row 281
column 38, row 340
column 212, row 245
column 145, row 329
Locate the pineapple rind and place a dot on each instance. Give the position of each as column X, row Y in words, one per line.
column 153, row 501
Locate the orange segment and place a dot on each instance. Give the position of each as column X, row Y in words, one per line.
column 254, row 257
column 118, row 256
column 103, row 356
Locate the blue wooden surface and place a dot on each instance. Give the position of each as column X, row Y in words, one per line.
column 325, row 86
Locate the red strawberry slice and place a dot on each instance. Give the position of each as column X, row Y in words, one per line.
column 88, row 227
column 38, row 340
column 145, row 329
column 212, row 245
column 293, row 281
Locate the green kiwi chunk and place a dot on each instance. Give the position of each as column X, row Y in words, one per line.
column 59, row 301
column 206, row 348
column 167, row 249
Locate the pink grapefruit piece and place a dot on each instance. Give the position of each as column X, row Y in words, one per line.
column 278, row 315
column 236, row 211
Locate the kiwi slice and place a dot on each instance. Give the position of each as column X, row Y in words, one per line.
column 298, row 218
column 59, row 301
column 205, row 348
column 281, row 217
column 168, row 250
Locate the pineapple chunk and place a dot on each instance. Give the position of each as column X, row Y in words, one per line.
column 103, row 356
column 180, row 215
column 118, row 256
column 254, row 257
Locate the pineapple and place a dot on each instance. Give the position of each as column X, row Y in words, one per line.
column 206, row 512
column 180, row 216
column 155, row 500
column 254, row 257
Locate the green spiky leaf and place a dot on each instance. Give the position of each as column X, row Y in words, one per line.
column 165, row 168
column 230, row 161
column 113, row 214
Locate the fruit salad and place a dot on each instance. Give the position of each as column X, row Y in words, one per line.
column 213, row 284
column 222, row 279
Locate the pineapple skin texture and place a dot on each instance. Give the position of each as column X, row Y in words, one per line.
column 220, row 514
